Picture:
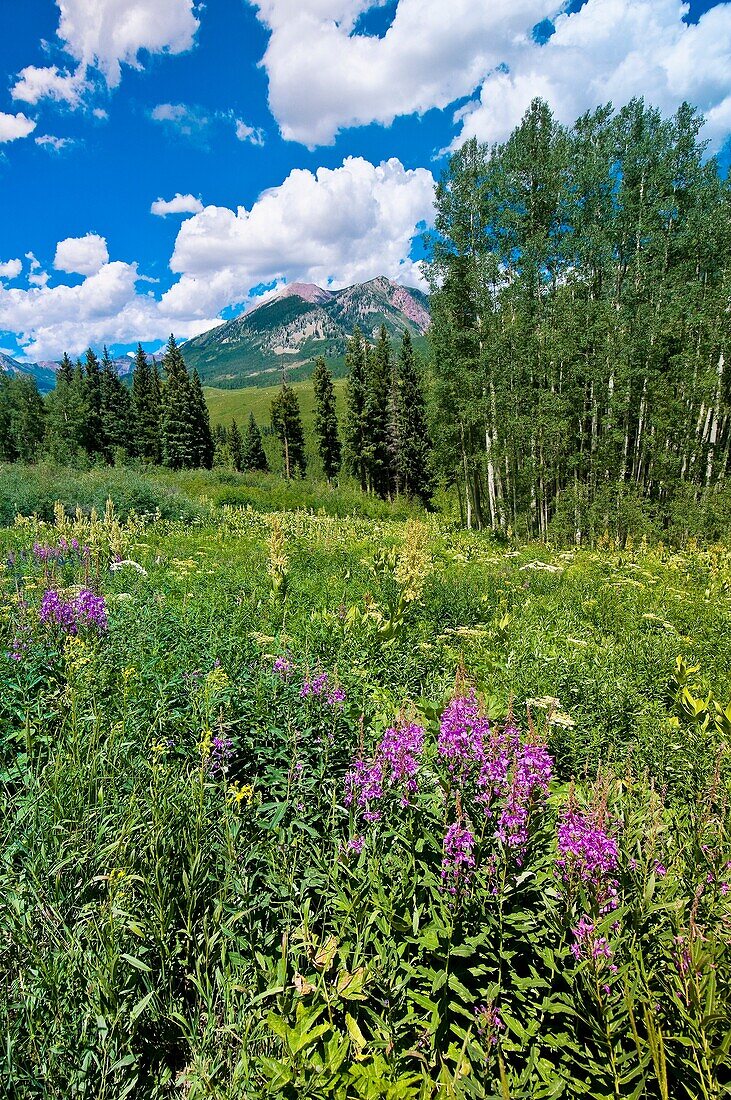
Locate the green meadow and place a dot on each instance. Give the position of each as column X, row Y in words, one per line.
column 345, row 806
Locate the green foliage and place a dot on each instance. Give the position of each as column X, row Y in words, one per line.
column 326, row 421
column 287, row 426
column 253, row 456
column 580, row 281
column 169, row 928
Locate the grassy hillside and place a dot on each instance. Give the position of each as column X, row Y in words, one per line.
column 228, row 405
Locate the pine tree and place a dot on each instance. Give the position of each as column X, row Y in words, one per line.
column 146, row 410
column 179, row 435
column 202, row 436
column 377, row 449
column 235, row 447
column 116, row 412
column 287, row 426
column 221, row 446
column 66, row 412
column 355, row 393
column 411, row 427
column 326, row 421
column 27, row 418
column 253, row 455
column 93, row 429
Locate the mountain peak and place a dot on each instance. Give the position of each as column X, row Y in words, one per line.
column 310, row 292
column 291, row 328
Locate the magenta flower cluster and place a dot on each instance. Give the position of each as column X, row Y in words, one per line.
column 458, row 862
column 83, row 610
column 394, row 766
column 499, row 763
column 587, row 854
column 489, row 1022
column 220, row 755
column 64, row 550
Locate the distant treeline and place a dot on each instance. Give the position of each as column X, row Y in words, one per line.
column 581, row 318
column 92, row 414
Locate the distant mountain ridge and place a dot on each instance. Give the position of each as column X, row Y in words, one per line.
column 302, row 321
column 44, row 373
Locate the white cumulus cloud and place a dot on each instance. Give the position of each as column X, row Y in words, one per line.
column 105, row 308
column 10, row 269
column 253, row 134
column 103, row 35
column 614, row 50
column 81, row 255
column 48, row 82
column 13, row 127
column 333, row 227
column 325, row 76
column 179, row 204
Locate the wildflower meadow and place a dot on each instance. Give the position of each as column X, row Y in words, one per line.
column 308, row 806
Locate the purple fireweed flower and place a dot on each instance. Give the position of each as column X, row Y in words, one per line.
column 335, row 697
column 659, row 869
column 531, row 773
column 588, row 944
column 400, row 751
column 363, row 785
column 316, row 686
column 458, row 861
column 489, row 1022
column 85, row 609
column 586, row 852
column 394, row 766
column 462, row 735
column 356, row 844
column 283, row 667
column 220, row 755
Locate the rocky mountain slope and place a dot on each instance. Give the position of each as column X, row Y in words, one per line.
column 44, row 373
column 299, row 323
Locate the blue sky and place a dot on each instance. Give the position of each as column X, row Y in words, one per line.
column 301, row 136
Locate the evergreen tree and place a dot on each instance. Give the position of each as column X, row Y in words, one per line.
column 94, row 441
column 253, row 456
column 236, row 447
column 27, row 418
column 377, row 444
column 67, row 411
column 203, row 445
column 355, row 422
column 179, row 434
column 411, row 427
column 287, row 426
column 326, row 421
column 221, row 446
column 116, row 412
column 146, row 412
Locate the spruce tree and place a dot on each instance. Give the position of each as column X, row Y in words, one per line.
column 253, row 454
column 94, row 430
column 180, row 440
column 326, row 421
column 146, row 410
column 236, row 447
column 202, row 435
column 66, row 411
column 287, row 426
column 377, row 449
column 221, row 448
column 116, row 412
column 355, row 393
column 411, row 427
